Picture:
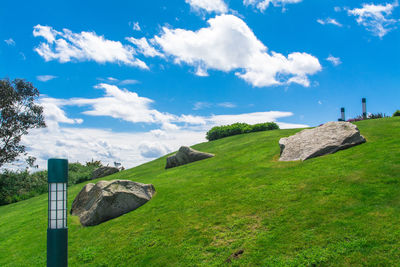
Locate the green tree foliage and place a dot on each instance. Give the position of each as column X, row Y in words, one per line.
column 19, row 185
column 218, row 132
column 396, row 113
column 18, row 114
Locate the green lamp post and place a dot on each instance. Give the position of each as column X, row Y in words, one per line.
column 342, row 114
column 364, row 107
column 57, row 231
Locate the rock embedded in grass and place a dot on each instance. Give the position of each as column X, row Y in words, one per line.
column 103, row 171
column 105, row 200
column 186, row 155
column 322, row 140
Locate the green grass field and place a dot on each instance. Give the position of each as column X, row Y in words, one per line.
column 337, row 210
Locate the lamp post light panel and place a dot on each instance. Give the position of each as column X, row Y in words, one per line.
column 57, row 205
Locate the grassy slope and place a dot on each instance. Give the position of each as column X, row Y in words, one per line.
column 336, row 210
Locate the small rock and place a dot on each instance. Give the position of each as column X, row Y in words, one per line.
column 105, row 200
column 322, row 140
column 186, row 155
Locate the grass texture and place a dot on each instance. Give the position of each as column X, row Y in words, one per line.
column 336, row 210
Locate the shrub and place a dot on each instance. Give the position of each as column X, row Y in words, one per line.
column 396, row 113
column 376, row 116
column 219, row 132
column 19, row 185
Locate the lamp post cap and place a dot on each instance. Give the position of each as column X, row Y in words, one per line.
column 57, row 170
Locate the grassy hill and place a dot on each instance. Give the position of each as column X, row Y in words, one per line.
column 337, row 210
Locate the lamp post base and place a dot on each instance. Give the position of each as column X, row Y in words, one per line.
column 57, row 247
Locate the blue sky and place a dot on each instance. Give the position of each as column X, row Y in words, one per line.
column 129, row 81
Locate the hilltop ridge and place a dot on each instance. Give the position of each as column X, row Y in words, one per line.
column 337, row 210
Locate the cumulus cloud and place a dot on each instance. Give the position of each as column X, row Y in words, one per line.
column 329, row 21
column 10, row 42
column 334, row 60
column 45, row 78
column 217, row 6
column 153, row 149
column 228, row 44
column 122, row 104
column 54, row 114
column 262, row 5
column 375, row 18
column 67, row 46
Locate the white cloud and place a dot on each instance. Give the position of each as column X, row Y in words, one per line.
column 112, row 79
column 337, row 8
column 45, row 78
column 84, row 144
column 228, row 44
column 201, row 105
column 319, row 102
column 153, row 149
column 67, row 46
column 262, row 5
column 135, row 26
column 128, row 81
column 329, row 21
column 22, row 55
column 375, row 18
column 250, row 118
column 10, row 41
column 122, row 104
column 53, row 113
column 334, row 60
column 217, row 6
column 144, row 47
column 226, row 105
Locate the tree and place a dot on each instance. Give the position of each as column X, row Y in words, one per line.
column 18, row 114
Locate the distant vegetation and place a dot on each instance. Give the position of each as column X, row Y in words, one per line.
column 396, row 113
column 369, row 117
column 219, row 132
column 19, row 185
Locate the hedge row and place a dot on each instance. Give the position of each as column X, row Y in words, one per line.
column 218, row 132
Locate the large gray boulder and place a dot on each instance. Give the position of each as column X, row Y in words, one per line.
column 186, row 155
column 322, row 140
column 103, row 171
column 105, row 200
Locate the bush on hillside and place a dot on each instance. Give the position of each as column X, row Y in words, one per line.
column 396, row 113
column 19, row 185
column 219, row 132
